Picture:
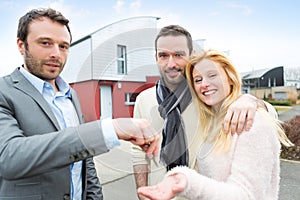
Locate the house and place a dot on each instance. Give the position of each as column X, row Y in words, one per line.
column 110, row 66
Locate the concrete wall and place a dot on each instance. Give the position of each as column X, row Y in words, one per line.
column 290, row 91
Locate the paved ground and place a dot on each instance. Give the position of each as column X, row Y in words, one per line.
column 290, row 180
column 289, row 184
column 287, row 115
column 290, row 170
column 124, row 188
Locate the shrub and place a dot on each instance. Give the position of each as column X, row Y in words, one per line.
column 280, row 103
column 292, row 130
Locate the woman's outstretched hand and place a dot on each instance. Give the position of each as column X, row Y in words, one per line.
column 168, row 188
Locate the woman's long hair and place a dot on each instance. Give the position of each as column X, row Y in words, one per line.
column 211, row 120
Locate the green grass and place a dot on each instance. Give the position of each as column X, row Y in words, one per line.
column 283, row 108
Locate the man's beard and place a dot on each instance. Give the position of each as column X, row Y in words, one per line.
column 174, row 81
column 35, row 66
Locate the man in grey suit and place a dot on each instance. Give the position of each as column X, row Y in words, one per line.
column 45, row 149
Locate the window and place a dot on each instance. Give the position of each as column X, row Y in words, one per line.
column 122, row 60
column 130, row 98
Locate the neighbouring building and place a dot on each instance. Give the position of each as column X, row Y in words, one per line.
column 292, row 77
column 293, row 82
column 263, row 78
column 268, row 84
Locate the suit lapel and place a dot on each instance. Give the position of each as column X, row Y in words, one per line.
column 24, row 85
column 76, row 103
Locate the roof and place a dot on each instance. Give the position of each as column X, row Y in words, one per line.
column 109, row 25
column 256, row 73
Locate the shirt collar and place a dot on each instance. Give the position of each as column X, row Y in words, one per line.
column 63, row 86
column 39, row 84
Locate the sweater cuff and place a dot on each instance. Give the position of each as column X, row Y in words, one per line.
column 188, row 172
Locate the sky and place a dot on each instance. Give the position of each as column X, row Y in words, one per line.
column 258, row 34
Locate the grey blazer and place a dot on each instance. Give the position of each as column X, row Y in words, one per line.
column 35, row 154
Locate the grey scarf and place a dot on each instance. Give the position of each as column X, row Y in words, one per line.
column 174, row 148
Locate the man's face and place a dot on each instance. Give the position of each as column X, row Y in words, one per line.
column 47, row 48
column 171, row 58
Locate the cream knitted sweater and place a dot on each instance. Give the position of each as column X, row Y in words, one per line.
column 250, row 170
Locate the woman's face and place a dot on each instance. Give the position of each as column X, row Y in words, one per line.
column 211, row 83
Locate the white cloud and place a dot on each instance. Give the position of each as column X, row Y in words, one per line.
column 119, row 6
column 245, row 9
column 166, row 18
column 214, row 13
column 58, row 5
column 135, row 5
